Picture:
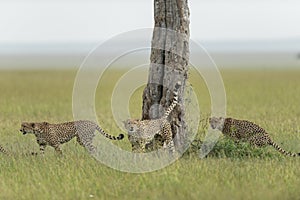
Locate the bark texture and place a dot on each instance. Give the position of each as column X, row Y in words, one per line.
column 169, row 64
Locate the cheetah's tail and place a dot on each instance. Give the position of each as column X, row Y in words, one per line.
column 4, row 151
column 111, row 137
column 175, row 100
column 284, row 152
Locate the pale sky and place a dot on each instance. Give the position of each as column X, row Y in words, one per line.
column 33, row 21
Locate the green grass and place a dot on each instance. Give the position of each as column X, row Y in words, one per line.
column 231, row 171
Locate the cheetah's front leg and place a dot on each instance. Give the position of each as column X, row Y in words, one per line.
column 42, row 148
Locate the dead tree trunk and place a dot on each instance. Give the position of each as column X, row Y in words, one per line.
column 169, row 64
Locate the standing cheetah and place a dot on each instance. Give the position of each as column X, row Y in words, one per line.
column 143, row 133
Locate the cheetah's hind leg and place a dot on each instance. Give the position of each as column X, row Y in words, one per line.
column 259, row 141
column 91, row 148
column 88, row 144
column 168, row 143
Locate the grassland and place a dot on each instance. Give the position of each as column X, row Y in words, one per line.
column 268, row 97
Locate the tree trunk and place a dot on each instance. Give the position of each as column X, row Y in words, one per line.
column 169, row 65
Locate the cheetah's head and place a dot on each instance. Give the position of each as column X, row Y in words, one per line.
column 27, row 127
column 131, row 125
column 217, row 123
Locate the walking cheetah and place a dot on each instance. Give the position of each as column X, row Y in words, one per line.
column 57, row 134
column 243, row 130
column 142, row 134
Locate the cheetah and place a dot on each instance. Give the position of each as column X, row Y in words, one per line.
column 56, row 134
column 143, row 134
column 243, row 130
